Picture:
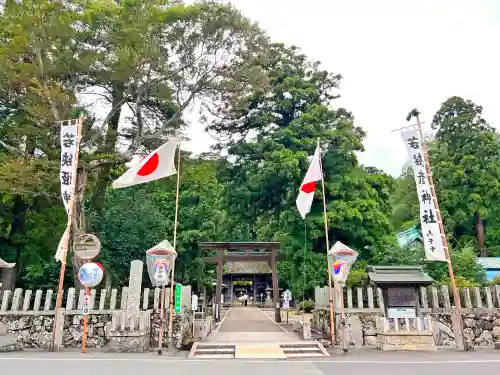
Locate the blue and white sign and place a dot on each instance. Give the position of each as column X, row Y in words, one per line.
column 91, row 274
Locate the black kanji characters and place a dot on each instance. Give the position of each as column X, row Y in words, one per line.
column 68, row 140
column 66, row 178
column 66, row 160
column 417, row 159
column 413, row 142
column 429, row 217
column 66, row 196
column 426, row 197
column 421, row 178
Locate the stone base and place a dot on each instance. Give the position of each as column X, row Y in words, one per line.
column 406, row 341
column 129, row 342
column 9, row 344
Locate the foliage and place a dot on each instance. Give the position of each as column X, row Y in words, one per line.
column 306, row 306
column 495, row 280
column 266, row 103
column 463, row 282
column 466, row 163
column 357, row 277
column 261, row 184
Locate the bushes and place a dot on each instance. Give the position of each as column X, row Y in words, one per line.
column 307, row 306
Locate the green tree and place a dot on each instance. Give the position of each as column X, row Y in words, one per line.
column 270, row 134
column 466, row 164
column 152, row 59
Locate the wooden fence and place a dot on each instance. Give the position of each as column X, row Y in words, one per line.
column 21, row 301
column 365, row 299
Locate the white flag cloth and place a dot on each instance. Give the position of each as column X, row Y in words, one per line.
column 60, row 247
column 306, row 193
column 159, row 164
column 67, row 173
column 431, row 233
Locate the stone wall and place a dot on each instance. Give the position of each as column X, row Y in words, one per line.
column 181, row 329
column 481, row 327
column 35, row 331
column 364, row 331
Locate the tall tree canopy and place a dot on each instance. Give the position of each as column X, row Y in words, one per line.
column 270, row 134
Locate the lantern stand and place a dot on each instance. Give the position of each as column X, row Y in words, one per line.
column 160, row 260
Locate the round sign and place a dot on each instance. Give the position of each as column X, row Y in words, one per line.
column 87, row 246
column 91, row 274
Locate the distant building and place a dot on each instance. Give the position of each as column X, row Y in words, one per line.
column 491, row 265
column 246, row 278
column 410, row 239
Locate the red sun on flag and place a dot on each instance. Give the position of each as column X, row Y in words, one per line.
column 150, row 166
column 309, row 187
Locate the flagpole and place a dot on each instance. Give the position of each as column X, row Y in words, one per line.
column 71, row 205
column 332, row 319
column 162, row 317
column 171, row 314
column 456, row 298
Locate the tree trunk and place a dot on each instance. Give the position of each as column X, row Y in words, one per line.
column 483, row 251
column 109, row 147
column 9, row 275
column 78, row 225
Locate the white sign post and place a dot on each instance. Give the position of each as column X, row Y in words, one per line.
column 194, row 302
column 86, row 305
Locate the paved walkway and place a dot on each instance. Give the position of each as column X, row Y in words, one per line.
column 248, row 319
column 244, row 324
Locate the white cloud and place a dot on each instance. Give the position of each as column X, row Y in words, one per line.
column 394, row 55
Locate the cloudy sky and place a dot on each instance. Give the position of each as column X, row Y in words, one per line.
column 394, row 55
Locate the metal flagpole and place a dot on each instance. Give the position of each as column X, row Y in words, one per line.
column 456, row 297
column 171, row 316
column 332, row 319
column 71, row 205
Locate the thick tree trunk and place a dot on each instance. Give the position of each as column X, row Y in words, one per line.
column 483, row 251
column 78, row 225
column 109, row 147
column 8, row 279
column 9, row 275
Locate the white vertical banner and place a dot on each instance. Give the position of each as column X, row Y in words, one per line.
column 67, row 174
column 433, row 241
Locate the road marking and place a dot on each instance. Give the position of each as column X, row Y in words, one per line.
column 172, row 359
column 271, row 319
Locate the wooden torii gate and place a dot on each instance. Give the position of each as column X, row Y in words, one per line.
column 242, row 252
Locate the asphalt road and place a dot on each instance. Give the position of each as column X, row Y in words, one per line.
column 145, row 364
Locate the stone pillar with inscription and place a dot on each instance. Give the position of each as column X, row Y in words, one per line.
column 134, row 293
column 130, row 329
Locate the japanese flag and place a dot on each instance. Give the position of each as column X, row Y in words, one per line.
column 158, row 164
column 306, row 193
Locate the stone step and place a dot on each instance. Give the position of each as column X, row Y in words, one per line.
column 300, row 345
column 304, row 355
column 213, row 356
column 214, row 351
column 302, row 350
column 215, row 346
